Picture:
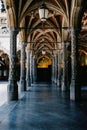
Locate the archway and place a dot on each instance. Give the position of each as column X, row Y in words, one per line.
column 44, row 69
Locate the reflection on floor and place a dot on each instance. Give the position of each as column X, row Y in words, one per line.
column 44, row 107
column 3, row 92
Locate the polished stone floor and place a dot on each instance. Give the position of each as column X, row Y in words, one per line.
column 43, row 107
column 3, row 92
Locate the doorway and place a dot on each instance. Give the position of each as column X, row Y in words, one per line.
column 44, row 74
column 44, row 69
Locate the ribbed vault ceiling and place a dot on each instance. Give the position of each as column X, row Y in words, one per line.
column 63, row 14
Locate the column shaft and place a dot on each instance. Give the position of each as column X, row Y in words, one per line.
column 12, row 86
column 59, row 69
column 31, row 63
column 74, row 87
column 34, row 70
column 56, row 67
column 28, row 81
column 64, row 87
column 53, row 69
column 23, row 70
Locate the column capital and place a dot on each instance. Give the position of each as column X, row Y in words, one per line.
column 28, row 47
column 13, row 29
column 66, row 44
column 59, row 46
column 54, row 52
column 33, row 56
column 23, row 44
column 74, row 30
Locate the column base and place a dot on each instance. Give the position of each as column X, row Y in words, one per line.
column 28, row 83
column 59, row 83
column 74, row 91
column 23, row 85
column 63, row 86
column 12, row 90
column 55, row 81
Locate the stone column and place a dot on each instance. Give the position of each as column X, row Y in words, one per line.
column 28, row 81
column 31, row 63
column 12, row 87
column 74, row 87
column 34, row 70
column 55, row 55
column 68, row 67
column 23, row 70
column 53, row 69
column 64, row 87
column 59, row 69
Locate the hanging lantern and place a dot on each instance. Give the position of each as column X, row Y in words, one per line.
column 43, row 12
column 43, row 52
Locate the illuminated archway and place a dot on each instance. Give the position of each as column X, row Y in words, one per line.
column 44, row 65
column 43, row 61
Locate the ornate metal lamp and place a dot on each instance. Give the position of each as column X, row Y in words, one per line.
column 43, row 52
column 43, row 12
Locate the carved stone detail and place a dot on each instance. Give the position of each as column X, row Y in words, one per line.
column 12, row 86
column 34, row 69
column 59, row 69
column 31, row 67
column 23, row 72
column 53, row 69
column 64, row 78
column 28, row 81
column 74, row 87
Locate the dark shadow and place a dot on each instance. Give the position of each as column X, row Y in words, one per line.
column 83, row 82
column 44, row 74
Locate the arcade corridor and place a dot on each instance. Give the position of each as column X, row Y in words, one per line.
column 43, row 107
column 44, row 41
column 43, row 59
